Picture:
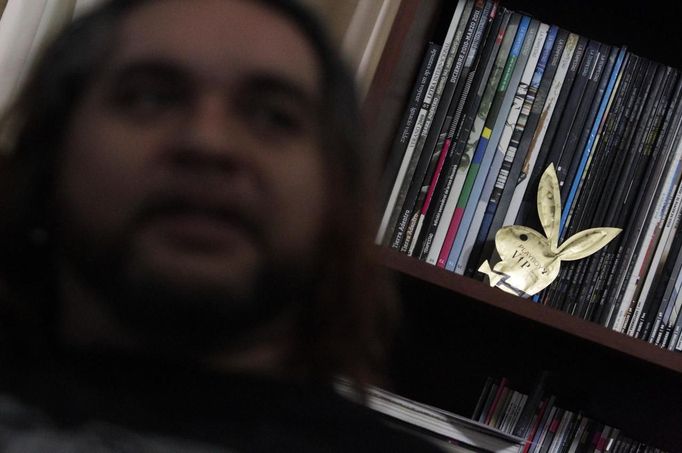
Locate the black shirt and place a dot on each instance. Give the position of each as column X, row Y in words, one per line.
column 109, row 403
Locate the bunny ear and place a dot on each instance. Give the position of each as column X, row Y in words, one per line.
column 586, row 243
column 549, row 205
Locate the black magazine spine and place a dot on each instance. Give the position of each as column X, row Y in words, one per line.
column 427, row 111
column 444, row 186
column 634, row 229
column 636, row 157
column 519, row 168
column 407, row 123
column 663, row 292
column 607, row 183
column 621, row 220
column 513, row 158
column 517, row 93
column 478, row 76
column 599, row 170
column 653, row 173
column 557, row 150
column 529, row 198
column 672, row 309
column 584, row 117
column 602, row 75
column 478, row 410
column 469, row 52
column 585, row 204
column 522, row 427
column 668, row 142
column 561, row 122
column 593, row 124
column 429, row 135
column 614, row 208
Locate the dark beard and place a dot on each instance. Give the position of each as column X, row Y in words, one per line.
column 201, row 321
column 174, row 319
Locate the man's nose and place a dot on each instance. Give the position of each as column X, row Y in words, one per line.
column 210, row 134
column 210, row 125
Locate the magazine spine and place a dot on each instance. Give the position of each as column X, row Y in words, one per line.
column 501, row 103
column 394, row 204
column 555, row 74
column 660, row 182
column 408, row 121
column 670, row 226
column 500, row 84
column 506, row 148
column 530, row 112
column 452, row 117
column 642, row 258
column 434, row 121
column 442, row 211
column 584, row 120
column 556, row 151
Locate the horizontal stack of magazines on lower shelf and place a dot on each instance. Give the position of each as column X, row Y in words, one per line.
column 545, row 427
column 498, row 101
column 453, row 433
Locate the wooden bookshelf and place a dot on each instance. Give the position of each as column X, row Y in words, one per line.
column 526, row 309
column 457, row 331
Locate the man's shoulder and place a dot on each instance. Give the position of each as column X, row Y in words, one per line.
column 309, row 418
column 355, row 428
column 28, row 429
column 192, row 413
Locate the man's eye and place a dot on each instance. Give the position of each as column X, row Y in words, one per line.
column 274, row 119
column 148, row 100
column 277, row 118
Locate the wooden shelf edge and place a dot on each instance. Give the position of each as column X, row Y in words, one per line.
column 525, row 308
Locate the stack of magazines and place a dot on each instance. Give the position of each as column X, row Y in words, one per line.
column 546, row 427
column 452, row 432
column 503, row 97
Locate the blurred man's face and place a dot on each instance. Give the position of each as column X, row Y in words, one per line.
column 192, row 168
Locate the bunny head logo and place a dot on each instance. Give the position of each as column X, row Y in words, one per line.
column 531, row 261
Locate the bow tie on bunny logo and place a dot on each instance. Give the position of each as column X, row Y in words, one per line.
column 531, row 261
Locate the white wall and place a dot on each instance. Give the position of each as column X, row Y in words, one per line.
column 360, row 28
column 25, row 26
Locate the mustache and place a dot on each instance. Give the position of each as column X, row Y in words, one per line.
column 222, row 205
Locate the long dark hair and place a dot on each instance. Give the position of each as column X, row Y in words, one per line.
column 346, row 327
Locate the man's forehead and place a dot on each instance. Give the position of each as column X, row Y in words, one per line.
column 219, row 39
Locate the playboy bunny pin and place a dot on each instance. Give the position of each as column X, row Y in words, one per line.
column 531, row 261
